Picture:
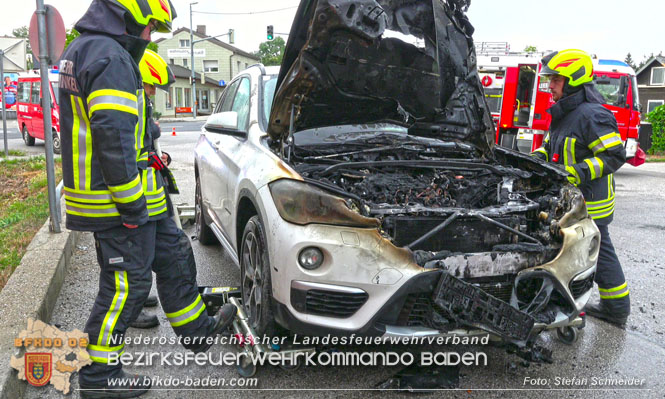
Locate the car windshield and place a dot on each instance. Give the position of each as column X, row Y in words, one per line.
column 609, row 88
column 269, row 85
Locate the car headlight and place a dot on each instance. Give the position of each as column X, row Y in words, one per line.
column 576, row 208
column 301, row 203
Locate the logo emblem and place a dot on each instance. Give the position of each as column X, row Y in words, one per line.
column 38, row 368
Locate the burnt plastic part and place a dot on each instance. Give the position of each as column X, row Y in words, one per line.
column 537, row 292
column 423, row 378
column 471, row 306
column 216, row 297
column 541, row 295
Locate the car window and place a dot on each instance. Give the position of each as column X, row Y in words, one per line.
column 56, row 91
column 227, row 101
column 241, row 104
column 268, row 95
column 34, row 94
column 24, row 92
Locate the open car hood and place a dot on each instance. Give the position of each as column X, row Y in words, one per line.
column 340, row 67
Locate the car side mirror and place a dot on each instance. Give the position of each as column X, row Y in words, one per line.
column 224, row 123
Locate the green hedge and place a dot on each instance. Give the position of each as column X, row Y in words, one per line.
column 657, row 120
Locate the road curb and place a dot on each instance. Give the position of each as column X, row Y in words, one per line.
column 31, row 292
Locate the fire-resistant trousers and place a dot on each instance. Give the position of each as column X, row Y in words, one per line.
column 127, row 258
column 611, row 282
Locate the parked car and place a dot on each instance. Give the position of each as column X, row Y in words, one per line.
column 359, row 190
column 29, row 112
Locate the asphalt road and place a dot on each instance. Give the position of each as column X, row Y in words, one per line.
column 603, row 351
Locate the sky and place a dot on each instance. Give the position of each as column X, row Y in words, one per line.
column 608, row 28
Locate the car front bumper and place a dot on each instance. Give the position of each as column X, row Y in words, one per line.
column 365, row 282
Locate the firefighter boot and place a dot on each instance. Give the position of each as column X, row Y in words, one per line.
column 150, row 302
column 122, row 386
column 222, row 321
column 145, row 320
column 613, row 311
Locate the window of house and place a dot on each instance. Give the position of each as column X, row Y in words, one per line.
column 658, row 76
column 170, row 60
column 188, row 97
column 238, row 65
column 653, row 104
column 210, row 66
column 168, row 99
column 178, row 97
column 184, row 43
column 246, row 65
column 184, row 62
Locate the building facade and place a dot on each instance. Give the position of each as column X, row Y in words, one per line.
column 651, row 84
column 218, row 61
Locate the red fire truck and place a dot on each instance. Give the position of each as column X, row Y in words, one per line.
column 518, row 99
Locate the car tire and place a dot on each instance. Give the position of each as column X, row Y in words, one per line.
column 27, row 138
column 255, row 281
column 204, row 233
column 56, row 142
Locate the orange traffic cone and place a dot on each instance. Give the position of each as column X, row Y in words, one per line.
column 173, row 134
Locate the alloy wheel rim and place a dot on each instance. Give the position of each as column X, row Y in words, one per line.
column 252, row 279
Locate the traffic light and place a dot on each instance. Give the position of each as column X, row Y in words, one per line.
column 270, row 33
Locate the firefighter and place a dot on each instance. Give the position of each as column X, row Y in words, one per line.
column 110, row 191
column 584, row 139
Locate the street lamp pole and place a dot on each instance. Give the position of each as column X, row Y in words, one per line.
column 191, row 51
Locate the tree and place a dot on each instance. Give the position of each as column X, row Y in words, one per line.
column 530, row 49
column 71, row 34
column 153, row 46
column 629, row 61
column 271, row 52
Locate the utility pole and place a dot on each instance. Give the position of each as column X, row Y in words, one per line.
column 3, row 98
column 44, row 62
column 191, row 51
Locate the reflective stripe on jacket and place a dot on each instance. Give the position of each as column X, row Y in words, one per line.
column 101, row 115
column 584, row 139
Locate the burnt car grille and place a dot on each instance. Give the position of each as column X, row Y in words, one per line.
column 579, row 287
column 334, row 304
column 420, row 311
column 501, row 291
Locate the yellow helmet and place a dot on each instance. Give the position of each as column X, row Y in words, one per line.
column 143, row 11
column 155, row 71
column 576, row 65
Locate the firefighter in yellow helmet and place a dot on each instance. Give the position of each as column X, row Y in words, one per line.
column 107, row 191
column 584, row 139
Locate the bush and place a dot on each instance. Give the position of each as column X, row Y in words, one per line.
column 156, row 115
column 657, row 120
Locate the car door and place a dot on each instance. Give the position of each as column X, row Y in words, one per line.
column 212, row 169
column 36, row 111
column 23, row 105
column 235, row 151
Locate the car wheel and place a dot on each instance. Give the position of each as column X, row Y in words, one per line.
column 204, row 234
column 27, row 138
column 56, row 142
column 255, row 278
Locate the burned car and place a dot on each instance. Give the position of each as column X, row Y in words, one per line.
column 359, row 190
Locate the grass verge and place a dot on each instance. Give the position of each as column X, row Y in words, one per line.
column 15, row 153
column 23, row 208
